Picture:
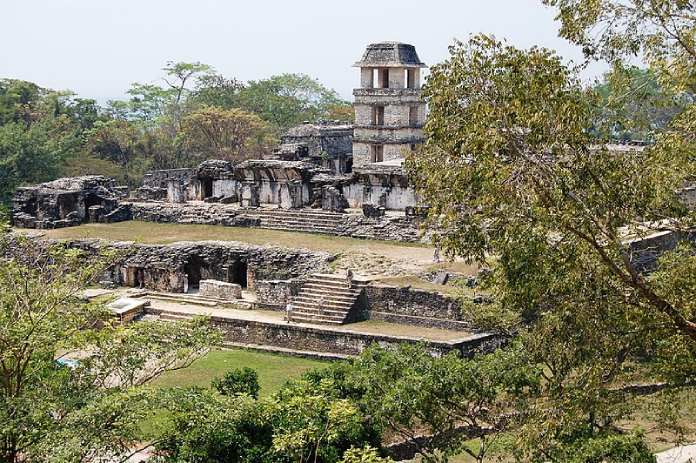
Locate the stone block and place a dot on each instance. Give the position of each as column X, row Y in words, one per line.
column 220, row 290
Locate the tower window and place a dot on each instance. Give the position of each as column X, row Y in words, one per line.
column 377, row 153
column 384, row 78
column 378, row 115
column 413, row 116
column 410, row 78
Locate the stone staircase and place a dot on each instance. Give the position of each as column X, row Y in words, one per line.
column 327, row 298
column 302, row 220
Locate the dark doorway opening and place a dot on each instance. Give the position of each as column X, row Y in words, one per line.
column 193, row 270
column 92, row 200
column 207, row 187
column 238, row 274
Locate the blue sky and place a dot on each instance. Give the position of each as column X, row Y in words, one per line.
column 97, row 48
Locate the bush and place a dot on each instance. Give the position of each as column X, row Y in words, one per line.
column 238, row 381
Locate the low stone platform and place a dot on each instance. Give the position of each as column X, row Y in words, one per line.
column 249, row 328
column 353, row 224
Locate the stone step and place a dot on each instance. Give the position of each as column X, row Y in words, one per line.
column 188, row 299
column 292, row 229
column 299, row 224
column 329, row 282
column 306, row 296
column 315, row 319
column 293, row 219
column 295, row 213
column 330, row 307
column 303, row 227
column 322, row 312
column 174, row 317
column 327, row 289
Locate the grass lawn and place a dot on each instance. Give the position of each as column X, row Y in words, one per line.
column 165, row 233
column 273, row 369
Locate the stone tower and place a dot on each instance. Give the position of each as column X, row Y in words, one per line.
column 389, row 112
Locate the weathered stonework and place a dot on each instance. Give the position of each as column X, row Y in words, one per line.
column 68, row 202
column 326, row 144
column 388, row 228
column 180, row 267
column 389, row 110
column 221, row 290
column 414, row 307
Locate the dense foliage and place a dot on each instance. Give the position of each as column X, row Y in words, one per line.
column 239, row 381
column 518, row 164
column 70, row 379
column 195, row 114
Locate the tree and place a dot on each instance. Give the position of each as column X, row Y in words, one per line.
column 89, row 407
column 304, row 422
column 289, row 99
column 633, row 105
column 510, row 170
column 231, row 134
column 659, row 31
column 35, row 153
column 238, row 381
column 216, row 90
column 440, row 404
column 364, row 455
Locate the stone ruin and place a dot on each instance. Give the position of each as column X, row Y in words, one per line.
column 326, row 144
column 325, row 166
column 69, row 201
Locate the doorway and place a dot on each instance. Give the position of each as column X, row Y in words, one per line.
column 193, row 270
column 237, row 273
column 207, row 184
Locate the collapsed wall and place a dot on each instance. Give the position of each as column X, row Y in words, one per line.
column 181, row 266
column 69, row 201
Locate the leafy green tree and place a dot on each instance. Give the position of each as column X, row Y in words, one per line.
column 18, row 100
column 633, row 105
column 304, row 422
column 230, row 134
column 440, row 405
column 90, row 406
column 214, row 89
column 289, row 99
column 661, row 32
column 238, row 381
column 510, row 170
column 35, row 153
column 364, row 455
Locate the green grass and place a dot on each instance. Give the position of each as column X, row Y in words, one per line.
column 273, row 370
column 165, row 233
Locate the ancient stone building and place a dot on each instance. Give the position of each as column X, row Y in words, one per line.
column 69, row 201
column 327, row 144
column 389, row 111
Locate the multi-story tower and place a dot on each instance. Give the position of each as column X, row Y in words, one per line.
column 389, row 112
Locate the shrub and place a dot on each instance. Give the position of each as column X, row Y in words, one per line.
column 238, row 381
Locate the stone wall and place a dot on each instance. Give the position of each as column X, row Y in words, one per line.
column 220, row 290
column 181, row 266
column 68, row 202
column 387, row 228
column 275, row 294
column 414, row 307
column 332, row 341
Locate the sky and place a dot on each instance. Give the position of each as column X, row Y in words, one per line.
column 97, row 48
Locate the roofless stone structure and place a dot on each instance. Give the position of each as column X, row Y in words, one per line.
column 389, row 111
